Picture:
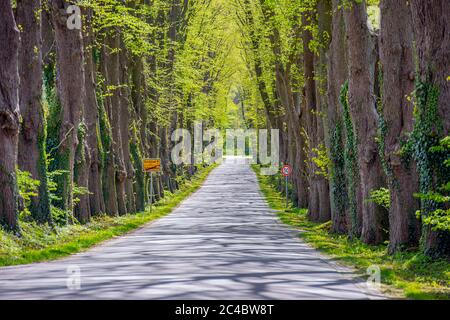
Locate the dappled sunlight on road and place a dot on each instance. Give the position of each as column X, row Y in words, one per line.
column 221, row 243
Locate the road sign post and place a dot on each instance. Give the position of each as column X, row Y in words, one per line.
column 287, row 192
column 286, row 171
column 152, row 166
column 151, row 191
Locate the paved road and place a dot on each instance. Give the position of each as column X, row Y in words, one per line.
column 221, row 243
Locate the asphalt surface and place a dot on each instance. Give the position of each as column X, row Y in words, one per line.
column 223, row 242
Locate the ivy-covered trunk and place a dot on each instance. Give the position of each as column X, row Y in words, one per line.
column 396, row 56
column 363, row 112
column 352, row 177
column 337, row 75
column 32, row 138
column 431, row 23
column 9, row 115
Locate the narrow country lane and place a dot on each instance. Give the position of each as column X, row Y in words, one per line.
column 222, row 243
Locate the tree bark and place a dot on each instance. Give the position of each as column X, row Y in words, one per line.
column 294, row 117
column 82, row 210
column 320, row 66
column 108, row 163
column 337, row 75
column 97, row 204
column 125, row 130
column 32, row 154
column 140, row 124
column 112, row 64
column 363, row 111
column 396, row 55
column 314, row 201
column 70, row 87
column 9, row 116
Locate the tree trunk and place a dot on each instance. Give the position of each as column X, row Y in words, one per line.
column 396, row 55
column 97, row 204
column 363, row 111
column 257, row 64
column 175, row 34
column 106, row 135
column 82, row 208
column 32, row 153
column 314, row 205
column 125, row 131
column 139, row 128
column 431, row 23
column 112, row 62
column 70, row 86
column 82, row 166
column 284, row 94
column 321, row 61
column 9, row 116
column 337, row 75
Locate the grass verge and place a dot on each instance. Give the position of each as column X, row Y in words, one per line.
column 42, row 243
column 407, row 274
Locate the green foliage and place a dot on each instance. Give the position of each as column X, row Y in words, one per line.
column 381, row 197
column 77, row 192
column 316, row 157
column 322, row 161
column 438, row 218
column 373, row 16
column 52, row 185
column 110, row 15
column 63, row 180
column 28, row 188
column 59, row 216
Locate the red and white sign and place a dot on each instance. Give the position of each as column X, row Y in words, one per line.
column 286, row 170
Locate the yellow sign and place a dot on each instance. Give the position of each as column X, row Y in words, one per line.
column 152, row 165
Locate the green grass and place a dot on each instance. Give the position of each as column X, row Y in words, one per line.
column 408, row 274
column 43, row 243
